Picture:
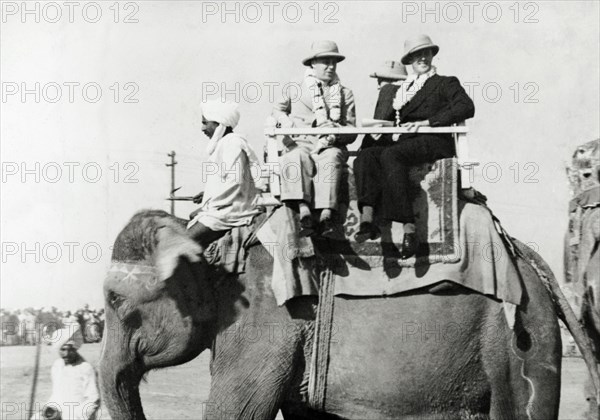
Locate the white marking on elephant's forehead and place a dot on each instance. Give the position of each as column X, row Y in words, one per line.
column 132, row 272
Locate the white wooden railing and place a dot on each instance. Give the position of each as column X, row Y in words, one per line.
column 297, row 131
column 465, row 163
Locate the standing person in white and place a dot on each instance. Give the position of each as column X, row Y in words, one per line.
column 75, row 393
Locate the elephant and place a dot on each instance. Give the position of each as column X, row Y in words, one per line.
column 582, row 247
column 588, row 273
column 440, row 352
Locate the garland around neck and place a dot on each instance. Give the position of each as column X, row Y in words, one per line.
column 324, row 111
column 410, row 87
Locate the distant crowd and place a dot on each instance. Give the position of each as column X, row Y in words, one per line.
column 28, row 326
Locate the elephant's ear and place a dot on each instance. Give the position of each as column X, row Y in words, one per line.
column 173, row 243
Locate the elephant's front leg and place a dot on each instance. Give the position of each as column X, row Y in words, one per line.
column 251, row 381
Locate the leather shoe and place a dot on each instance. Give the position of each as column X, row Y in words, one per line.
column 409, row 246
column 367, row 230
column 327, row 228
column 306, row 227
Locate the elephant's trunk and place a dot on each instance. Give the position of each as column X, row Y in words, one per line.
column 119, row 382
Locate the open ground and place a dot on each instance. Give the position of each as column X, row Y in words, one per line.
column 181, row 392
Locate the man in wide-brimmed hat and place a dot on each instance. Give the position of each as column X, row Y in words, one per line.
column 74, row 389
column 391, row 72
column 316, row 161
column 389, row 78
column 425, row 99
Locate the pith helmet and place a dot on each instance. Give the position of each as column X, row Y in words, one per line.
column 321, row 49
column 417, row 43
column 391, row 70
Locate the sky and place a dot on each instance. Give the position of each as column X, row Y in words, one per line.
column 95, row 94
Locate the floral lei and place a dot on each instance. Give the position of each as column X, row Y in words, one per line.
column 324, row 111
column 409, row 89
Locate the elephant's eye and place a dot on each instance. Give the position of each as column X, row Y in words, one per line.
column 114, row 299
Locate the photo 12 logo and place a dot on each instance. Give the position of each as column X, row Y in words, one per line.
column 519, row 173
column 255, row 91
column 51, row 252
column 269, row 11
column 69, row 11
column 53, row 92
column 493, row 92
column 469, row 11
column 70, row 172
column 50, row 410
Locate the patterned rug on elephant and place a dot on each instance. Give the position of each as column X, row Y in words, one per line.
column 462, row 240
column 483, row 263
column 433, row 193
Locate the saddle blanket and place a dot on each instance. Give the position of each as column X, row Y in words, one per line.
column 482, row 262
column 433, row 194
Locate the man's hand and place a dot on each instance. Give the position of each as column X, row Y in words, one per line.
column 324, row 143
column 51, row 413
column 198, row 197
column 376, row 136
column 194, row 213
column 414, row 126
column 285, row 121
column 327, row 140
column 329, row 124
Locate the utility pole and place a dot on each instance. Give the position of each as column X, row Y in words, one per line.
column 172, row 165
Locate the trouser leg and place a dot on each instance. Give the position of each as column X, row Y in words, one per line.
column 205, row 235
column 297, row 170
column 329, row 165
column 368, row 176
column 395, row 164
column 395, row 204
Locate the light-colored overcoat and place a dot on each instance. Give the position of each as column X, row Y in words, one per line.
column 302, row 169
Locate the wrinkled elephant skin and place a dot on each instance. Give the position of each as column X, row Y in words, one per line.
column 416, row 355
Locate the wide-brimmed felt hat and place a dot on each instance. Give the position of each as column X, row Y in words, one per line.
column 417, row 43
column 391, row 70
column 320, row 49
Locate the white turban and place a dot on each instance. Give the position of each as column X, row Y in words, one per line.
column 225, row 113
column 71, row 334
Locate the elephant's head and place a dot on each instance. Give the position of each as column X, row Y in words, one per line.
column 584, row 169
column 159, row 307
